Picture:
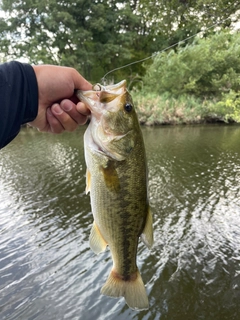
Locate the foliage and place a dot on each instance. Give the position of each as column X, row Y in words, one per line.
column 195, row 81
column 208, row 67
column 94, row 37
column 230, row 106
column 154, row 109
column 180, row 19
column 98, row 36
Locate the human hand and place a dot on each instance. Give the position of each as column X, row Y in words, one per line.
column 58, row 108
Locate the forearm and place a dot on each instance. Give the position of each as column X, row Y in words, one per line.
column 18, row 99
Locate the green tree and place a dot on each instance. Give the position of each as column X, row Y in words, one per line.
column 208, row 67
column 179, row 19
column 93, row 37
column 98, row 36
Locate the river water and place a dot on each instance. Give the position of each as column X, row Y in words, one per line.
column 47, row 270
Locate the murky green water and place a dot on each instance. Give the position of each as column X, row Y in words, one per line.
column 47, row 270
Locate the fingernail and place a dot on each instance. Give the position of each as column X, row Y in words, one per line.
column 56, row 109
column 66, row 105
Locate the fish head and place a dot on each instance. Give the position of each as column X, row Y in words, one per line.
column 118, row 113
column 114, row 124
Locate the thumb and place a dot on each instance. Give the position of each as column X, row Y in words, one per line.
column 80, row 83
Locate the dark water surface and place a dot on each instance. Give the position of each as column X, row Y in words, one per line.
column 47, row 270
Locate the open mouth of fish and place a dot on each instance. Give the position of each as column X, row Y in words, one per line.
column 92, row 97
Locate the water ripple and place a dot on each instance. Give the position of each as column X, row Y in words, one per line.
column 47, row 270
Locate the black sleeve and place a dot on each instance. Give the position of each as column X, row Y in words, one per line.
column 18, row 98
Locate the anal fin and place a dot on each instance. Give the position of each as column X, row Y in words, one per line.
column 96, row 241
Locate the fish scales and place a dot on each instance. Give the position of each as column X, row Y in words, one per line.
column 126, row 212
column 117, row 180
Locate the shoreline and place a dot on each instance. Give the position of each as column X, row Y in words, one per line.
column 213, row 120
column 171, row 122
column 155, row 110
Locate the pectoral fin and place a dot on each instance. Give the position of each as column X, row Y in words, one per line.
column 88, row 181
column 111, row 177
column 97, row 243
column 147, row 234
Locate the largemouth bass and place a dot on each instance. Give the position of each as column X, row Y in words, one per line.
column 117, row 180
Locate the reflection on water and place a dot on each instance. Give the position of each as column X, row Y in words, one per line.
column 47, row 270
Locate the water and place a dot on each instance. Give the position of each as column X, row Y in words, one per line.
column 47, row 270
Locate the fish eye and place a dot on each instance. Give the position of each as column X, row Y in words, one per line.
column 128, row 107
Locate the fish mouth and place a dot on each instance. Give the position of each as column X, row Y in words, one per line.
column 117, row 88
column 90, row 98
column 93, row 98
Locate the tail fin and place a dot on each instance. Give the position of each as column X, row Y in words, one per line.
column 133, row 291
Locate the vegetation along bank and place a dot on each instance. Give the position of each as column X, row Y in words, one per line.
column 198, row 83
column 197, row 80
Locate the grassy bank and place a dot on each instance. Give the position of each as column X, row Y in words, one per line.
column 156, row 109
column 203, row 75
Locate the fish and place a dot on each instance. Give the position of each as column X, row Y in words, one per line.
column 117, row 180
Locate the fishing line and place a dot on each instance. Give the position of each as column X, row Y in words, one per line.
column 156, row 53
